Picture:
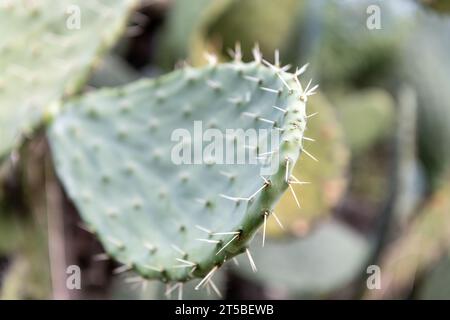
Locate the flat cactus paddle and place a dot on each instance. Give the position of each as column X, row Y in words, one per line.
column 116, row 155
column 46, row 51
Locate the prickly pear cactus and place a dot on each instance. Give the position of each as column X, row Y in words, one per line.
column 168, row 219
column 46, row 49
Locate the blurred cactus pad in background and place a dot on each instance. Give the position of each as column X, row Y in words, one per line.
column 343, row 191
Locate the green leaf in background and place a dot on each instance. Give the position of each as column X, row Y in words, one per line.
column 327, row 259
column 367, row 117
column 45, row 54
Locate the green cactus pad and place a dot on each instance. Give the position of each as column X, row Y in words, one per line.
column 114, row 154
column 44, row 56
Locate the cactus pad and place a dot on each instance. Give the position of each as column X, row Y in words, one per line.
column 46, row 49
column 114, row 154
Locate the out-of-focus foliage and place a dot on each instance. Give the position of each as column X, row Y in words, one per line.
column 112, row 71
column 49, row 55
column 422, row 243
column 343, row 48
column 367, row 117
column 316, row 265
column 434, row 285
column 266, row 22
column 426, row 67
column 186, row 28
column 438, row 5
column 196, row 26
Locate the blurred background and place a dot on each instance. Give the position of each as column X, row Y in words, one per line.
column 375, row 220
